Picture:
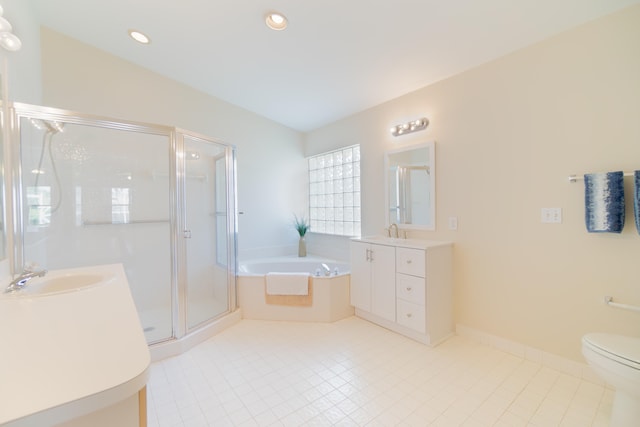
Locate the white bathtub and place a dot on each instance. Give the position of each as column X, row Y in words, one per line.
column 311, row 265
column 330, row 292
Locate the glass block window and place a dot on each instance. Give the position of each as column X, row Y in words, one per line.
column 334, row 192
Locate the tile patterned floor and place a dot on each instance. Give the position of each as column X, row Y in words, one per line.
column 354, row 373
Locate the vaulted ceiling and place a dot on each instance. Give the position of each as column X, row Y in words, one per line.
column 335, row 58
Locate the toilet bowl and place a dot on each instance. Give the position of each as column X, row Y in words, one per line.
column 616, row 359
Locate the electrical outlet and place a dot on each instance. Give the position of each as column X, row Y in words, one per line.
column 551, row 215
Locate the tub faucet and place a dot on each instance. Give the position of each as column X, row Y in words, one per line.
column 393, row 226
column 20, row 281
column 327, row 270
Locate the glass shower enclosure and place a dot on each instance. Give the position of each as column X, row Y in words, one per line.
column 92, row 190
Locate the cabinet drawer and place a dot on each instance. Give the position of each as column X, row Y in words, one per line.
column 411, row 315
column 410, row 288
column 410, row 261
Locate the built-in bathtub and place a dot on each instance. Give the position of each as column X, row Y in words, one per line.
column 330, row 293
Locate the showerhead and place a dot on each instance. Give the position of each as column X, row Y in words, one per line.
column 50, row 126
column 55, row 127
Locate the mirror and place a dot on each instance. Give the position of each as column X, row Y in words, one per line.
column 411, row 187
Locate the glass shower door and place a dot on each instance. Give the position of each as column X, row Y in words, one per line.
column 158, row 200
column 206, row 230
column 91, row 195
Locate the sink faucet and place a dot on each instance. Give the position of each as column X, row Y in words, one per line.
column 395, row 227
column 20, row 281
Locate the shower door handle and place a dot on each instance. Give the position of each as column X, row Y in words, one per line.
column 187, row 234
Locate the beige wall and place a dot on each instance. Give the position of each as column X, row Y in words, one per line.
column 508, row 134
column 81, row 78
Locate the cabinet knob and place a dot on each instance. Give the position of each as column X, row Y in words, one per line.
column 408, row 261
column 409, row 315
column 408, row 288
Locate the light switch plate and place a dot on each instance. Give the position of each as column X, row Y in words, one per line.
column 453, row 223
column 551, row 215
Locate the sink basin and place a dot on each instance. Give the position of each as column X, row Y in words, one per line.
column 57, row 284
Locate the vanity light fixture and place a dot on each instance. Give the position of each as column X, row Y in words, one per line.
column 412, row 126
column 139, row 37
column 276, row 21
column 8, row 40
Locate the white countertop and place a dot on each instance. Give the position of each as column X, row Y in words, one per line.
column 68, row 354
column 402, row 243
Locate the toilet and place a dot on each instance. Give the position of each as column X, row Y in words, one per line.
column 616, row 360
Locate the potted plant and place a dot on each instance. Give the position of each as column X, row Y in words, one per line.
column 302, row 226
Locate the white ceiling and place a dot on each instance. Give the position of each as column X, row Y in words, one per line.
column 336, row 58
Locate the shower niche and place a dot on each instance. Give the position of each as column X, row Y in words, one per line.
column 92, row 190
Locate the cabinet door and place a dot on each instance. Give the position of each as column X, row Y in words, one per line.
column 360, row 276
column 383, row 281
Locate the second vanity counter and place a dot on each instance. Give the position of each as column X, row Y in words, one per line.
column 69, row 353
column 402, row 243
column 404, row 285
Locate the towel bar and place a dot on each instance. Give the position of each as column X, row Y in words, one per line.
column 574, row 177
column 609, row 301
column 142, row 221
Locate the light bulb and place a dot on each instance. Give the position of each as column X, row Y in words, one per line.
column 139, row 37
column 10, row 41
column 276, row 21
column 5, row 25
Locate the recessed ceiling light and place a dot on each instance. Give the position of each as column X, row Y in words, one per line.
column 139, row 37
column 276, row 21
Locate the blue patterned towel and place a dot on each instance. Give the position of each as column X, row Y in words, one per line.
column 604, row 202
column 636, row 198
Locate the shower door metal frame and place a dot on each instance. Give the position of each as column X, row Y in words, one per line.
column 181, row 167
column 176, row 196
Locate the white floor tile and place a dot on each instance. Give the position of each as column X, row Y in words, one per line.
column 354, row 373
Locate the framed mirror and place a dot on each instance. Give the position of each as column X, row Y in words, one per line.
column 410, row 195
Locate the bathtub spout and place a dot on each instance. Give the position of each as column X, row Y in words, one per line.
column 327, row 270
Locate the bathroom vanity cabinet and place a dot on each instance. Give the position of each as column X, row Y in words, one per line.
column 374, row 268
column 74, row 354
column 404, row 285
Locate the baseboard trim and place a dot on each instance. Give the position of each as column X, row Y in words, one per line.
column 553, row 361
